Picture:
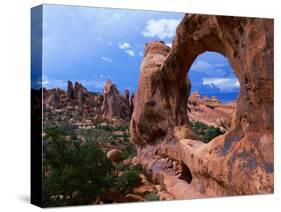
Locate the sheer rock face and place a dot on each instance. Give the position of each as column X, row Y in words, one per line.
column 114, row 105
column 238, row 162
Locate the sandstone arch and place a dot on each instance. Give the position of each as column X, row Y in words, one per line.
column 239, row 162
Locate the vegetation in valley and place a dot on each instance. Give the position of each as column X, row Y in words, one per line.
column 207, row 133
column 152, row 196
column 77, row 171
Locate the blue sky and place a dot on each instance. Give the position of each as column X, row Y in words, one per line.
column 92, row 45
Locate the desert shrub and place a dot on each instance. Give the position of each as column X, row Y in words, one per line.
column 115, row 136
column 152, row 196
column 120, row 166
column 126, row 137
column 129, row 179
column 113, row 142
column 67, row 128
column 77, row 173
column 129, row 151
column 109, row 128
column 211, row 133
column 112, row 128
column 207, row 133
column 122, row 127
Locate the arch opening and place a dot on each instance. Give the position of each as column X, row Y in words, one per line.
column 214, row 89
column 185, row 173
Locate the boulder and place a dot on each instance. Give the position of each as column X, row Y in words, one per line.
column 114, row 155
column 132, row 198
column 111, row 195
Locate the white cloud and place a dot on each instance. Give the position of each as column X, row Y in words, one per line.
column 222, row 83
column 99, row 83
column 169, row 44
column 57, row 84
column 107, row 59
column 161, row 28
column 141, row 54
column 124, row 45
column 127, row 48
column 237, row 84
column 202, row 66
column 110, row 43
column 45, row 82
column 130, row 52
column 221, row 65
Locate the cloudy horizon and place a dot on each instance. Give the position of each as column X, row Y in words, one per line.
column 91, row 45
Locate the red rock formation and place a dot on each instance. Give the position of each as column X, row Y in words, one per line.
column 55, row 97
column 238, row 162
column 83, row 108
column 70, row 89
column 114, row 104
column 210, row 111
column 76, row 90
column 127, row 96
column 132, row 99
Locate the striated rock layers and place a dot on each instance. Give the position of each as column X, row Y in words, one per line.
column 241, row 160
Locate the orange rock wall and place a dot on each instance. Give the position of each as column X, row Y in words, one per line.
column 240, row 161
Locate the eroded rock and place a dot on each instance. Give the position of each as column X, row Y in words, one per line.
column 238, row 162
column 114, row 105
column 210, row 111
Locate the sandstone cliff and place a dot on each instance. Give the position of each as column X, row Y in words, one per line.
column 238, row 162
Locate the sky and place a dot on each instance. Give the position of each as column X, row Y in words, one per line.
column 91, row 45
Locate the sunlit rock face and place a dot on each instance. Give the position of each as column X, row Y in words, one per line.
column 238, row 162
column 210, row 111
column 114, row 105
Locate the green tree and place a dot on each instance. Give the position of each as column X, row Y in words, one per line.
column 207, row 133
column 73, row 173
column 129, row 179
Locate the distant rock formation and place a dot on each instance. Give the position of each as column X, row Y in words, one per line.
column 127, row 96
column 76, row 90
column 210, row 111
column 70, row 89
column 83, row 108
column 241, row 160
column 114, row 105
column 132, row 100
